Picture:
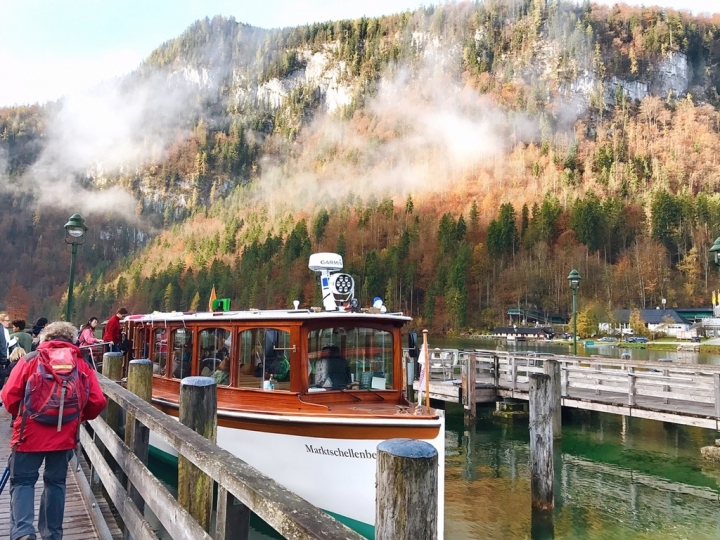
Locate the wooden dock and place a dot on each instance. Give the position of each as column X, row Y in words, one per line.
column 80, row 515
column 677, row 393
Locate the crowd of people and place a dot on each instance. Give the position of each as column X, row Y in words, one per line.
column 42, row 430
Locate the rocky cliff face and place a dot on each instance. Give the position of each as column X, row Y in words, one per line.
column 247, row 85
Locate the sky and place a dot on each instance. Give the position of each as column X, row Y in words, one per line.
column 51, row 48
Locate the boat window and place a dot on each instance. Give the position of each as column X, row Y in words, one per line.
column 182, row 353
column 159, row 355
column 214, row 353
column 350, row 357
column 262, row 353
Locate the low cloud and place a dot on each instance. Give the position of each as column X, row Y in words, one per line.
column 422, row 132
column 112, row 130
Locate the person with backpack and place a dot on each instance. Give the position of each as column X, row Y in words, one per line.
column 51, row 391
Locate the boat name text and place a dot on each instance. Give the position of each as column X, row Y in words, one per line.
column 339, row 452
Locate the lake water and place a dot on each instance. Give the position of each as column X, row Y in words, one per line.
column 615, row 479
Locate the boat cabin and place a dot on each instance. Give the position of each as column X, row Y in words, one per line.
column 299, row 351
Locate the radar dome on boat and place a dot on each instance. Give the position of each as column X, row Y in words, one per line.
column 331, row 262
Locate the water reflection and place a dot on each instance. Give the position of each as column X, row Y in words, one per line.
column 613, row 480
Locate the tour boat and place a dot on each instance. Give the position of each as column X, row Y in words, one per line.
column 304, row 395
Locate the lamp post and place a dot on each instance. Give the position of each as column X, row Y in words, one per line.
column 574, row 280
column 715, row 249
column 74, row 235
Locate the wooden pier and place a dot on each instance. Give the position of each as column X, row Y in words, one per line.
column 86, row 513
column 687, row 394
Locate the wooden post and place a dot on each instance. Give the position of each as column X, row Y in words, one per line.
column 137, row 436
column 198, row 411
column 112, row 368
column 233, row 518
column 541, row 442
column 406, row 503
column 513, row 370
column 541, row 525
column 405, row 378
column 496, row 367
column 716, row 379
column 470, row 397
column 631, row 386
column 598, row 380
column 427, row 369
column 552, row 370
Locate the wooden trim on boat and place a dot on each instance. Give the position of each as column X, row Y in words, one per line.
column 337, row 430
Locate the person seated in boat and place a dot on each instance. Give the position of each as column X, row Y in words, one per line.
column 222, row 373
column 331, row 369
column 210, row 364
column 279, row 368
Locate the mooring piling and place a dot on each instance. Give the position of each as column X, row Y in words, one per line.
column 137, row 435
column 541, row 442
column 406, row 503
column 198, row 411
column 552, row 369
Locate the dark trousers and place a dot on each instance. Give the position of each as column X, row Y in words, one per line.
column 24, row 467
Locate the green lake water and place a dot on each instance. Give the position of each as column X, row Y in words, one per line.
column 615, row 478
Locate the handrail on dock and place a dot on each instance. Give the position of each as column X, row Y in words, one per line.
column 681, row 393
column 287, row 513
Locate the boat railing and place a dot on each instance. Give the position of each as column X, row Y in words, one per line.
column 240, row 488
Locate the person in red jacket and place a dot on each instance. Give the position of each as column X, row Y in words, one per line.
column 112, row 330
column 40, row 442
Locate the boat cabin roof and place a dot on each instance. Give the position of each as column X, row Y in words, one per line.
column 263, row 314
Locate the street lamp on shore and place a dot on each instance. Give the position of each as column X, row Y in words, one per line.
column 75, row 236
column 574, row 280
column 715, row 249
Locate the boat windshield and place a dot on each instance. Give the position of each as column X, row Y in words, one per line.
column 350, row 357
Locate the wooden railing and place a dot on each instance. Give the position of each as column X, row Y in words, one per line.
column 508, row 372
column 241, row 488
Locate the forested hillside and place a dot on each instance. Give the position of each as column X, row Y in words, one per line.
column 462, row 159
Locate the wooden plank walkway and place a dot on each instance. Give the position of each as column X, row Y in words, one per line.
column 78, row 523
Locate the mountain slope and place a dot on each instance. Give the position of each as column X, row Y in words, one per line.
column 458, row 108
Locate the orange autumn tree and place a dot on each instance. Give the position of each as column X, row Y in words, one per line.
column 18, row 302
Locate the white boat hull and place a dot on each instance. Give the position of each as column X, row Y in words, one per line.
column 336, row 475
